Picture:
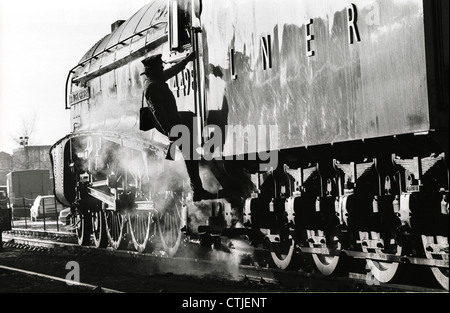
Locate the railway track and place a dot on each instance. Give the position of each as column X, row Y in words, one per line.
column 81, row 287
column 221, row 265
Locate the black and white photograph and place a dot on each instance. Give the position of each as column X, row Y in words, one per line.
column 235, row 155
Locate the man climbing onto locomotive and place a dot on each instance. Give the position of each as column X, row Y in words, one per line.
column 159, row 95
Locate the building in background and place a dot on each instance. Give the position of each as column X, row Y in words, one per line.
column 6, row 166
column 25, row 158
column 31, row 158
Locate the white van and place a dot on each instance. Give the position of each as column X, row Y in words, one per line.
column 48, row 203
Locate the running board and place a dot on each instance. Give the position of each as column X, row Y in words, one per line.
column 110, row 199
column 103, row 196
column 377, row 256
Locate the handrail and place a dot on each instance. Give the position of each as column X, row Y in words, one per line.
column 115, row 137
column 96, row 56
column 72, row 71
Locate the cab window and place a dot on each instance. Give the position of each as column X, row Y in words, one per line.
column 179, row 23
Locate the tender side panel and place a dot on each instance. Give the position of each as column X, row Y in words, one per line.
column 323, row 71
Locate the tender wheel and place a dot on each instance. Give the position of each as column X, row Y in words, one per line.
column 382, row 271
column 169, row 225
column 83, row 228
column 142, row 228
column 282, row 251
column 435, row 247
column 325, row 263
column 115, row 229
column 441, row 275
column 99, row 229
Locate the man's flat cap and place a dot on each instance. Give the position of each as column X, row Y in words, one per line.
column 152, row 60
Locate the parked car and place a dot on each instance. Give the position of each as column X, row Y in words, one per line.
column 48, row 204
column 65, row 216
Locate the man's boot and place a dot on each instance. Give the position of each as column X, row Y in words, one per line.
column 201, row 194
column 196, row 183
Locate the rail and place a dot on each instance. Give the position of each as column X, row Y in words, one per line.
column 226, row 268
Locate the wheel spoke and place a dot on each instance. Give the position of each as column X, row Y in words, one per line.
column 140, row 228
column 83, row 224
column 115, row 226
column 99, row 229
column 168, row 226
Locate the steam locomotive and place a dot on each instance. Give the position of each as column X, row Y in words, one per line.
column 322, row 126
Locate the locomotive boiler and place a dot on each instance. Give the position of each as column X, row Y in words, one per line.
column 322, row 126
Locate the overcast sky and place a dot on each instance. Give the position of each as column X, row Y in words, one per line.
column 40, row 41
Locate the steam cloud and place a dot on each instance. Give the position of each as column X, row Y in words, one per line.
column 148, row 176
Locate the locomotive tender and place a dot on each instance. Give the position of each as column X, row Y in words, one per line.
column 327, row 122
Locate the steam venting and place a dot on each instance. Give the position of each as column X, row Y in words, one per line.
column 166, row 184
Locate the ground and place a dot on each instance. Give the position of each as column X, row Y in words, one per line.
column 121, row 273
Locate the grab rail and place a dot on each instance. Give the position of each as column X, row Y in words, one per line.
column 97, row 55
